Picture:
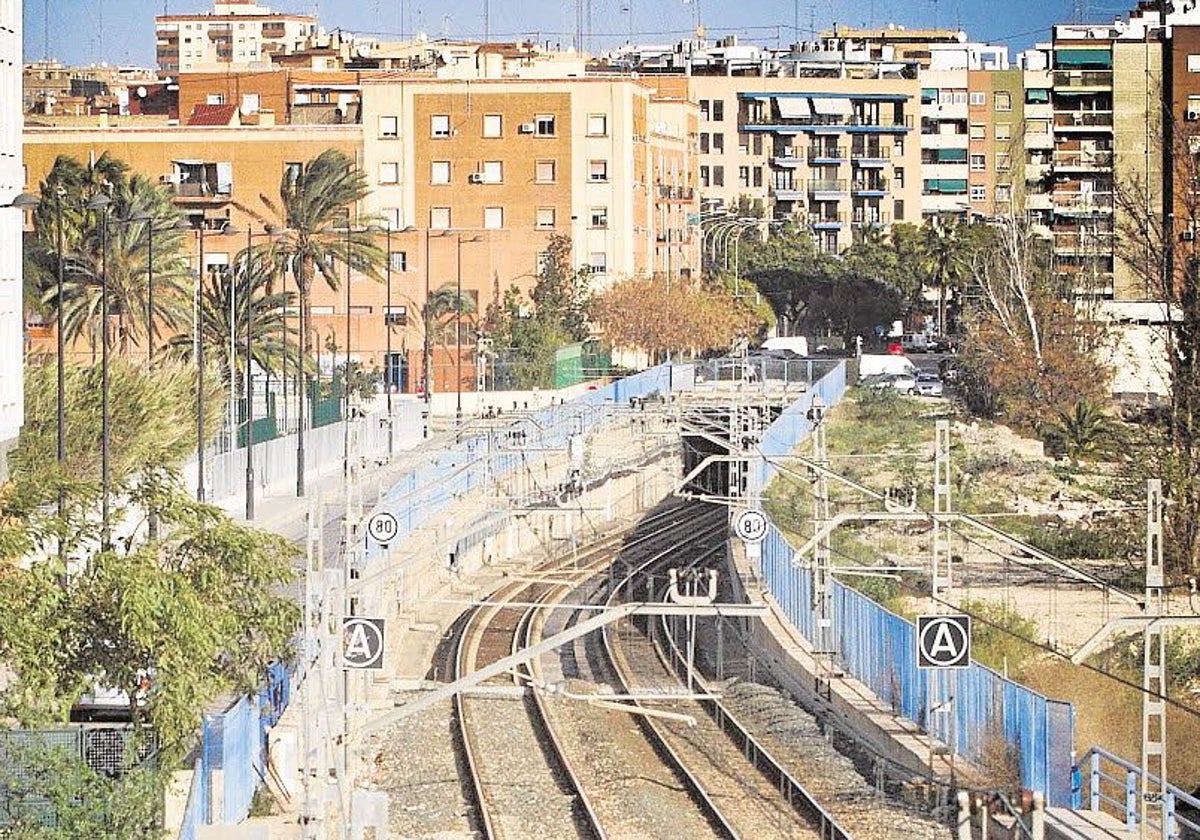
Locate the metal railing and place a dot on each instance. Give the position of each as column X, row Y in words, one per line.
column 870, row 153
column 1083, row 119
column 1084, row 160
column 837, row 186
column 1082, row 78
column 1104, row 782
column 826, row 153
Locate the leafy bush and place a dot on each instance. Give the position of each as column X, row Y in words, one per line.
column 1001, row 638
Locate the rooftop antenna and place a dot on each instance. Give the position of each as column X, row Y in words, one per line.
column 46, row 32
column 486, row 20
column 579, row 25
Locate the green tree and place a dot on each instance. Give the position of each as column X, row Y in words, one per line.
column 948, row 253
column 224, row 291
column 1084, row 431
column 123, row 265
column 174, row 620
column 45, row 780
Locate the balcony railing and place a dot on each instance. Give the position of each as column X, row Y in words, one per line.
column 1081, row 202
column 833, row 120
column 1083, row 160
column 826, row 153
column 826, row 219
column 873, row 185
column 1083, row 119
column 201, row 189
column 870, row 152
column 1083, row 242
column 1082, row 78
column 670, row 193
column 868, row 219
column 826, row 186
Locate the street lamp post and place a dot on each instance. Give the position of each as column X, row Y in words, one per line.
column 346, row 371
column 458, row 302
column 426, row 359
column 199, row 352
column 100, row 203
column 387, row 326
column 249, row 383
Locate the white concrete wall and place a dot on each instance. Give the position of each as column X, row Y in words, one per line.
column 12, row 180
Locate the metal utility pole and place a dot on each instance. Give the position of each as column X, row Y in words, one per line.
column 1154, row 669
column 941, row 574
column 822, row 577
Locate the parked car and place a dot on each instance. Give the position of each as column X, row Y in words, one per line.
column 902, row 383
column 929, row 384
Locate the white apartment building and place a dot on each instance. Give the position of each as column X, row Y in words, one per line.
column 12, row 179
column 236, row 35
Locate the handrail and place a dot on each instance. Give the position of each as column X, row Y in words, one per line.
column 1090, row 776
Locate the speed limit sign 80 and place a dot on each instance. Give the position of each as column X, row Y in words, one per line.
column 383, row 528
column 751, row 526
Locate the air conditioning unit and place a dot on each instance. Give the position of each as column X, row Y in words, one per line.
column 476, row 178
column 1188, row 235
column 1191, row 116
column 527, row 128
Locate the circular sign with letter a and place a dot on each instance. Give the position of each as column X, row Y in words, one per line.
column 943, row 641
column 362, row 643
column 751, row 526
column 383, row 528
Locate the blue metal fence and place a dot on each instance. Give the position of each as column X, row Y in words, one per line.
column 878, row 648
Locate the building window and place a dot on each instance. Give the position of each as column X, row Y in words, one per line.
column 1037, row 96
column 598, row 171
column 1003, row 161
column 718, row 110
column 1193, row 63
column 758, row 144
column 898, row 177
column 978, row 97
column 1037, row 127
column 493, row 172
column 393, row 217
column 544, row 125
column 743, row 143
column 743, row 176
column 389, row 128
column 389, row 172
column 597, row 125
column 718, row 144
column 399, row 260
column 545, row 218
column 292, row 172
column 898, row 210
column 1003, row 100
column 978, row 163
column 598, row 217
column 250, row 103
column 758, row 176
column 1004, row 193
column 493, row 125
column 543, row 172
column 1003, row 131
column 493, row 218
column 215, row 99
column 978, row 131
column 705, row 109
column 978, row 192
column 439, row 172
column 543, row 260
column 439, row 218
column 598, row 262
column 929, row 96
column 718, row 176
column 704, row 142
column 705, row 180
column 439, row 125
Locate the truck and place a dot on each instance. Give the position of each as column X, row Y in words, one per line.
column 880, row 364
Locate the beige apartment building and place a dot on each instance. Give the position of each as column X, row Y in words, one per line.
column 237, row 34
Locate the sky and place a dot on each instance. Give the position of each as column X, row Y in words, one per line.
column 122, row 31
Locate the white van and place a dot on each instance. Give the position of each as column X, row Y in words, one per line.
column 797, row 344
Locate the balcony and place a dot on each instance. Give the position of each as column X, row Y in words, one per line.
column 825, row 154
column 868, row 219
column 1083, row 242
column 668, row 193
column 787, row 161
column 826, row 221
column 1081, row 203
column 787, row 192
column 1086, row 161
column 830, row 189
column 870, row 155
column 1083, row 120
column 870, row 186
column 834, row 122
column 1082, row 79
column 1087, row 283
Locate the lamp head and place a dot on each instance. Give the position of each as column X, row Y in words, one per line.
column 98, row 202
column 230, row 229
column 24, row 200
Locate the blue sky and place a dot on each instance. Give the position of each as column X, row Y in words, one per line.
column 128, row 25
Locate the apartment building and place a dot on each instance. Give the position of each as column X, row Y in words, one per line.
column 12, row 316
column 817, row 133
column 1033, row 195
column 237, row 34
column 507, row 163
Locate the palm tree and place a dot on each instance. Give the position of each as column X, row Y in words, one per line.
column 441, row 313
column 315, row 205
column 266, row 310
column 945, row 243
column 138, row 207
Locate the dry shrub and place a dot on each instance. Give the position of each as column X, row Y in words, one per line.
column 1108, row 715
